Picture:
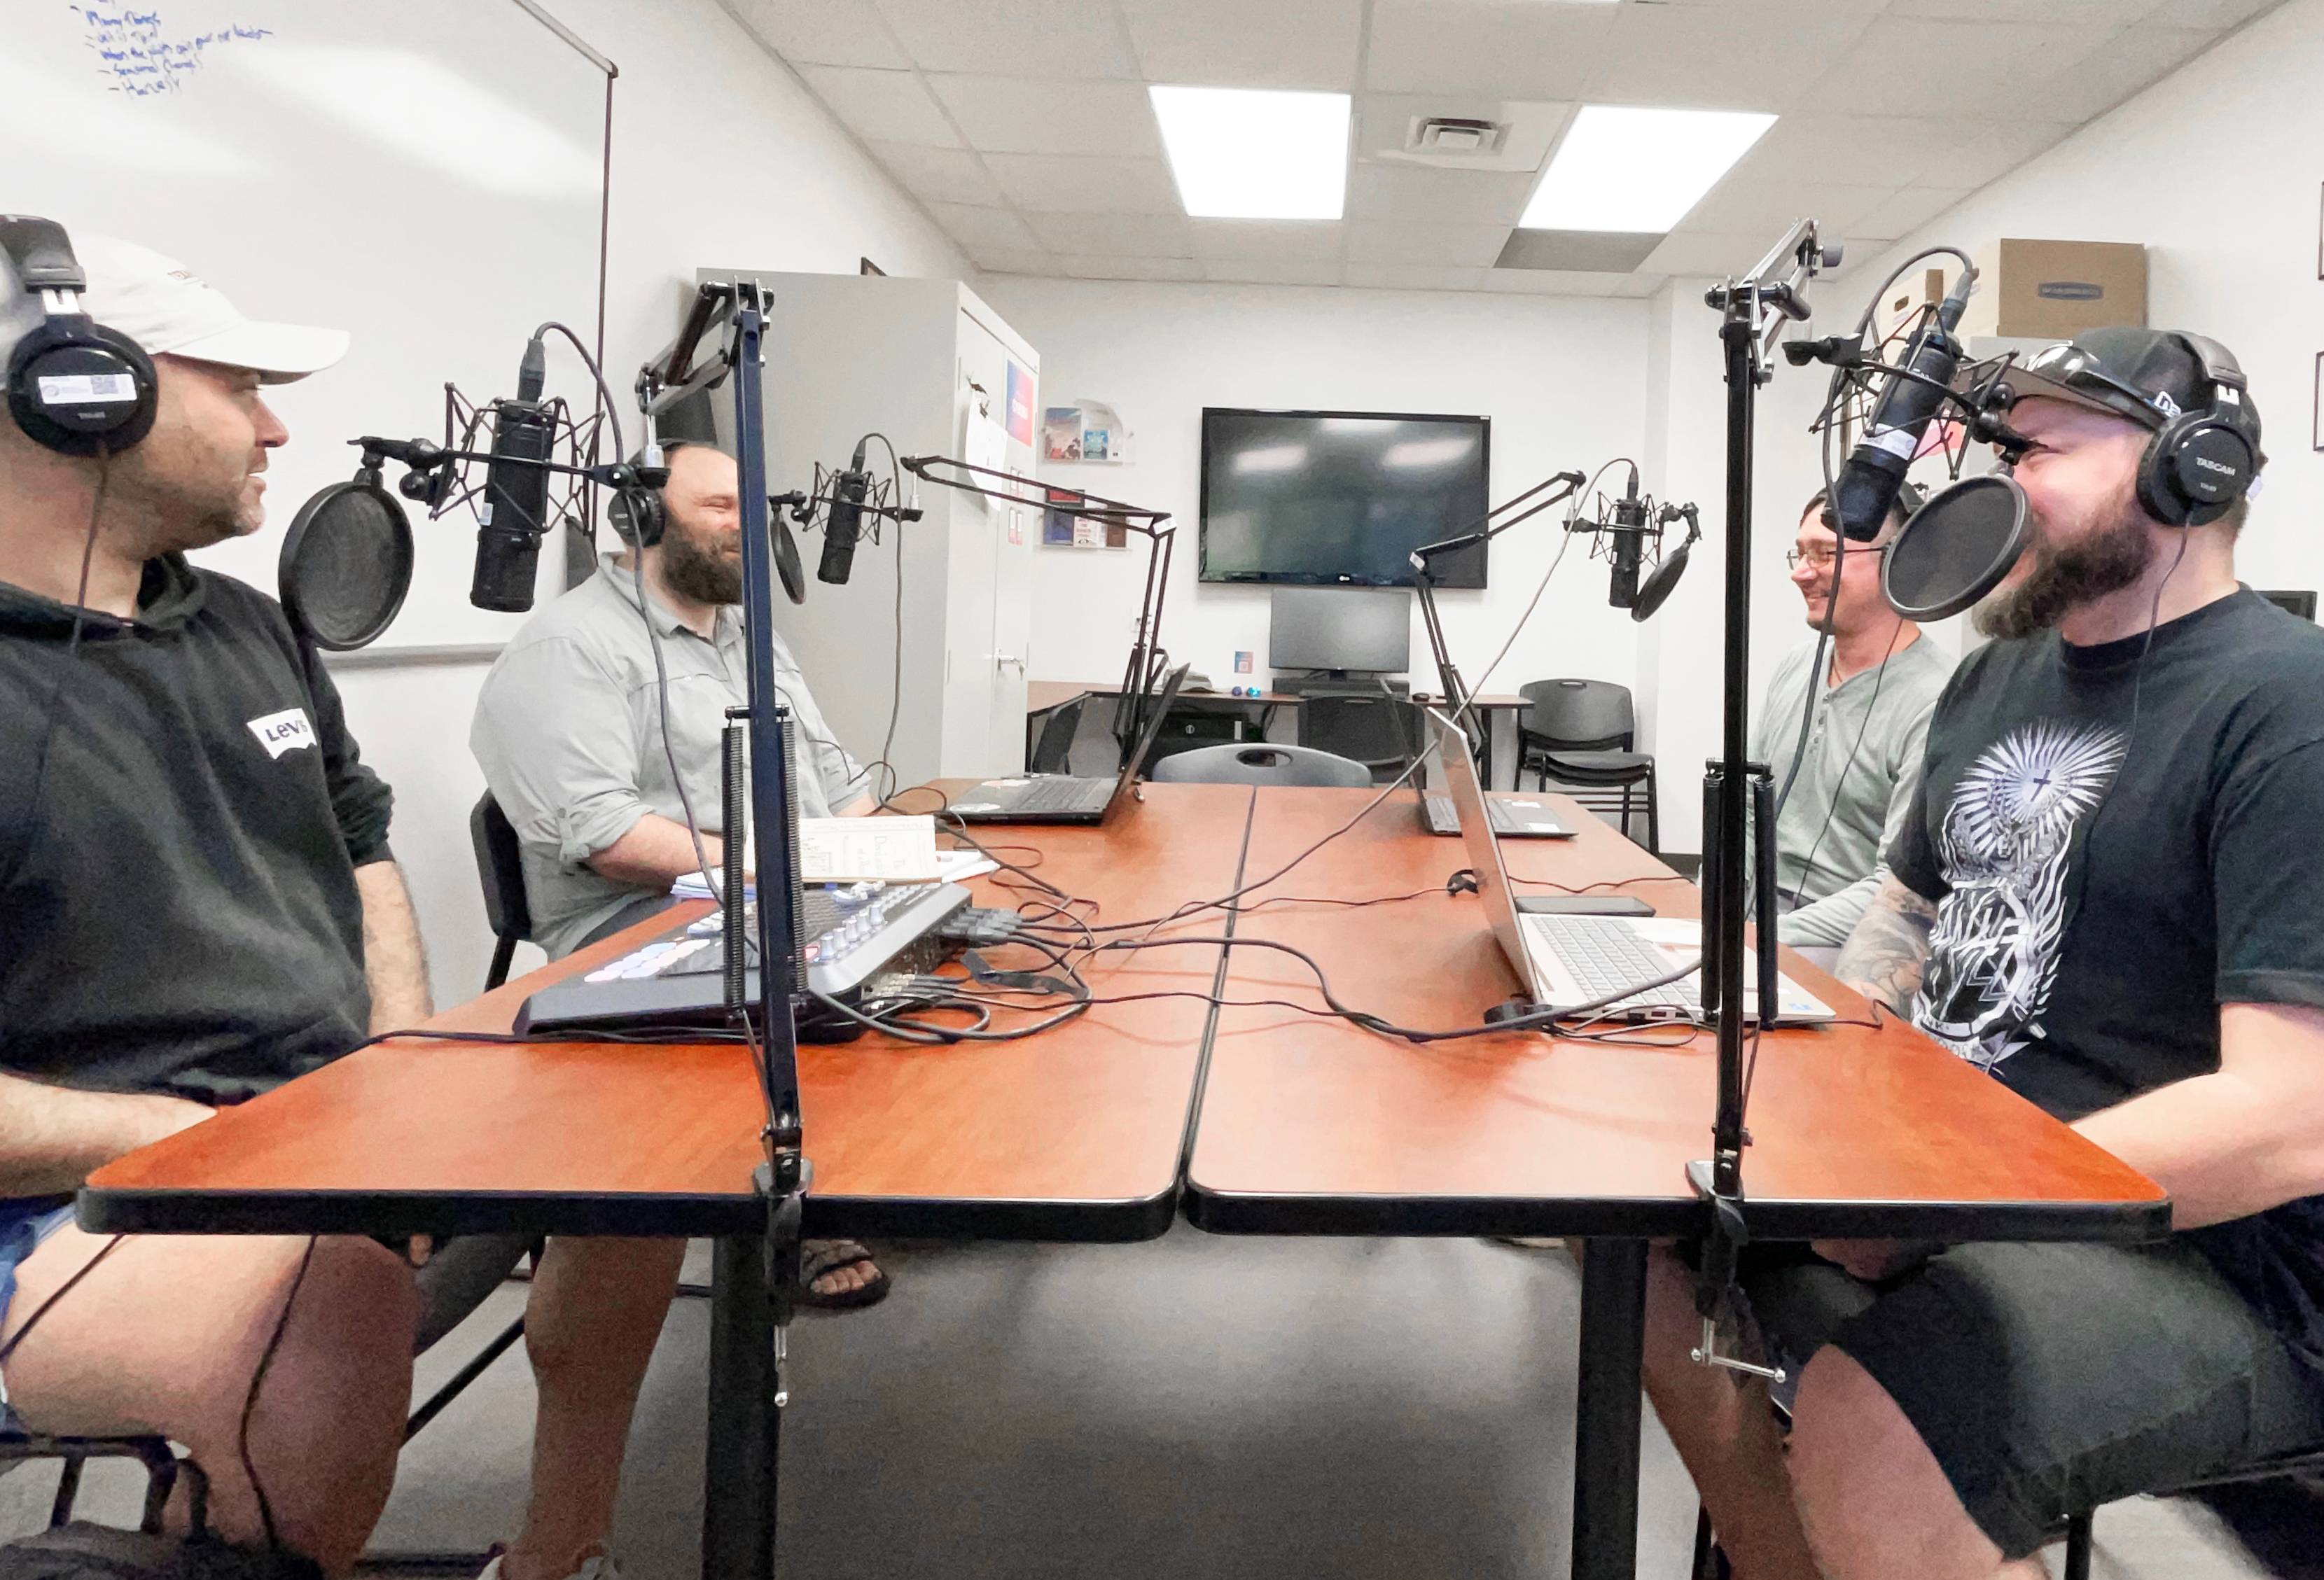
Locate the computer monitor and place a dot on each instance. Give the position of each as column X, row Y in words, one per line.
column 2301, row 603
column 1340, row 630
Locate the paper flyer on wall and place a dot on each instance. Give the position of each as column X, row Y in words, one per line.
column 1090, row 430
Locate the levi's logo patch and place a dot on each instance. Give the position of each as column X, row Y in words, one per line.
column 284, row 731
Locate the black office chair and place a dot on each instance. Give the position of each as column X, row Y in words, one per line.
column 161, row 1463
column 1260, row 763
column 1054, row 752
column 500, row 869
column 1580, row 734
column 1382, row 732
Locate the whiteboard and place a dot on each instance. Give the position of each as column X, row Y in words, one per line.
column 426, row 174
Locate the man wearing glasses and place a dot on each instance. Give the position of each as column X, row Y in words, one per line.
column 1859, row 762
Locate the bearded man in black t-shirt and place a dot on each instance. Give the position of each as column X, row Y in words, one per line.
column 2106, row 898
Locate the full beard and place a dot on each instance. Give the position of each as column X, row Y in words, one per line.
column 698, row 574
column 2063, row 576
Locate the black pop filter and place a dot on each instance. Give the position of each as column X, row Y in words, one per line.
column 346, row 564
column 1661, row 583
column 1956, row 549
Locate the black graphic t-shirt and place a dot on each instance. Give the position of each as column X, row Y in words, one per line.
column 2116, row 849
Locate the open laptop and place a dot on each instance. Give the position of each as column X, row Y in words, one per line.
column 1068, row 798
column 1512, row 817
column 1566, row 961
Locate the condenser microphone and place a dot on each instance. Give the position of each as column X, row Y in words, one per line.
column 1866, row 492
column 841, row 526
column 514, row 515
column 1630, row 531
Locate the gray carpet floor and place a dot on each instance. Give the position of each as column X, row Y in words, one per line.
column 1194, row 1406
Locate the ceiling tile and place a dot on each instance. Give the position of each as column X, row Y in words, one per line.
column 1275, row 241
column 1905, row 212
column 825, row 32
column 1013, row 38
column 1904, row 65
column 2126, row 62
column 1415, row 193
column 1383, row 121
column 1727, row 58
column 881, row 106
column 1132, row 236
column 1850, row 150
column 1085, row 267
column 2219, row 13
column 1012, row 260
column 2100, row 12
column 940, row 175
column 983, row 227
column 1988, row 153
column 1588, row 252
column 1236, row 43
column 1485, row 47
column 1415, row 276
column 1376, row 241
column 1553, row 282
column 1276, row 271
column 1005, row 114
column 1697, row 253
column 1054, row 183
column 1735, row 206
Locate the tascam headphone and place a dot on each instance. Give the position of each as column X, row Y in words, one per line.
column 74, row 386
column 639, row 516
column 2199, row 464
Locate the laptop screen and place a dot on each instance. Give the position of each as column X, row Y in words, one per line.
column 1159, row 709
column 1484, row 850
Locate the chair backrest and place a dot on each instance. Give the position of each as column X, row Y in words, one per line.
column 1581, row 716
column 1259, row 764
column 1054, row 752
column 1380, row 732
column 500, row 869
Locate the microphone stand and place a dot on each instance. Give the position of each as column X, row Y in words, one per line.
column 1738, row 795
column 1483, row 529
column 1147, row 657
column 739, row 1353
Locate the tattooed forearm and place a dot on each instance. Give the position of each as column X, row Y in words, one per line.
column 1884, row 955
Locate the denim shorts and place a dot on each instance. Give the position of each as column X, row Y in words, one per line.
column 24, row 1223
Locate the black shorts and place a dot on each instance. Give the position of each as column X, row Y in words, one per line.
column 2049, row 1379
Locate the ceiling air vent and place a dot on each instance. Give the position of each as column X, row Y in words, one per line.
column 1454, row 137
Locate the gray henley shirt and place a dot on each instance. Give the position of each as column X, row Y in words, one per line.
column 568, row 732
column 1856, row 785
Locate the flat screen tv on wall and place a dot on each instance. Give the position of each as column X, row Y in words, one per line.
column 1326, row 498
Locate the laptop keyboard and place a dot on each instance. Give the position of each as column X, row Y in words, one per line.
column 1603, row 956
column 1061, row 795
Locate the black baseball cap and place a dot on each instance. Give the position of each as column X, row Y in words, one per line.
column 2146, row 376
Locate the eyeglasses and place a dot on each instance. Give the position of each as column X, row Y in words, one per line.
column 1820, row 560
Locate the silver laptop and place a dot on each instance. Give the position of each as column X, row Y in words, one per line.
column 1568, row 961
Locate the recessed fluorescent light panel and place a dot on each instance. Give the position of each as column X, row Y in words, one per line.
column 1255, row 153
column 1624, row 168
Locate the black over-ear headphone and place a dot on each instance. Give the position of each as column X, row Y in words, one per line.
column 638, row 514
column 2200, row 462
column 74, row 386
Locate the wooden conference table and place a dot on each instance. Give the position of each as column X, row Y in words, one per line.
column 1258, row 1121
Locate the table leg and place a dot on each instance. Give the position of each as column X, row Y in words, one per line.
column 1606, row 1411
column 738, row 1486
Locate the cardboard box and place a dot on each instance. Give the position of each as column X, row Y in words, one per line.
column 2053, row 290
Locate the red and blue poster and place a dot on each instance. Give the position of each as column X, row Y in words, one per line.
column 1020, row 405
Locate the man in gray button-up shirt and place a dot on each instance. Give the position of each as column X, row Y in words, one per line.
column 1866, row 736
column 568, row 727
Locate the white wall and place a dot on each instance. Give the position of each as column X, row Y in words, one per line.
column 1563, row 379
column 719, row 153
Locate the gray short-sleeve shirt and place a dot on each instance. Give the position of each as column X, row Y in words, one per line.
column 568, row 733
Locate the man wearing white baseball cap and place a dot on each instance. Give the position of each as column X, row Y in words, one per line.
column 198, row 902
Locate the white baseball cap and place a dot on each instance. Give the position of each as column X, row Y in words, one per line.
column 170, row 311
